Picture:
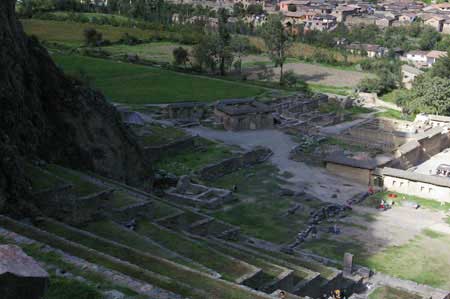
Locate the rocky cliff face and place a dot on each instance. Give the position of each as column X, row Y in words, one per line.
column 47, row 115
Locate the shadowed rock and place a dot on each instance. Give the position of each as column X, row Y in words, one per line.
column 21, row 277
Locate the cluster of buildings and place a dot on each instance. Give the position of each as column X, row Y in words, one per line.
column 415, row 162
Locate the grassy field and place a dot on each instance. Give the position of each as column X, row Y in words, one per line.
column 71, row 34
column 425, row 259
column 308, row 51
column 394, row 114
column 194, row 159
column 375, row 200
column 135, row 84
column 261, row 211
column 159, row 135
column 385, row 292
column 157, row 51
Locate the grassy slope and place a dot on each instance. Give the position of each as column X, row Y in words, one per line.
column 135, row 84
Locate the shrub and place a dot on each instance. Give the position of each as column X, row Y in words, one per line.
column 92, row 37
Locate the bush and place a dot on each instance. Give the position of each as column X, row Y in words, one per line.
column 129, row 39
column 92, row 37
column 180, row 56
column 290, row 79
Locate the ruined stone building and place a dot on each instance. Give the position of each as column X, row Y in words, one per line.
column 244, row 114
column 188, row 111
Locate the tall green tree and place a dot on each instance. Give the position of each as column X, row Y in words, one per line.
column 223, row 47
column 430, row 95
column 277, row 41
column 240, row 46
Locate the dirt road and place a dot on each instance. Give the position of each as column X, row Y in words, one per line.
column 317, row 180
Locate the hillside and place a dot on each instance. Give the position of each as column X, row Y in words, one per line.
column 49, row 116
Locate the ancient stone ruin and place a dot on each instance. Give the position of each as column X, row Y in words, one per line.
column 21, row 277
column 243, row 114
column 198, row 195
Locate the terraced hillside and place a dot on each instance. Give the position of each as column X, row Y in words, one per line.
column 172, row 249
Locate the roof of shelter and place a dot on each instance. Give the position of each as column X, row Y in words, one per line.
column 417, row 177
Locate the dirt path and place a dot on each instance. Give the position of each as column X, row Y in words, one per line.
column 317, row 180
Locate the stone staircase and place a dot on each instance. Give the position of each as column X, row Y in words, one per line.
column 155, row 256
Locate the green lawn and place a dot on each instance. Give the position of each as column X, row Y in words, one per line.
column 320, row 88
column 385, row 292
column 394, row 95
column 425, row 259
column 374, row 201
column 136, row 84
column 394, row 114
column 261, row 212
column 194, row 159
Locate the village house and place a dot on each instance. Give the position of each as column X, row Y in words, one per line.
column 409, row 74
column 341, row 12
column 437, row 22
column 446, row 27
column 284, row 5
column 372, row 51
column 321, row 23
column 424, row 58
column 444, row 7
column 407, row 17
column 243, row 114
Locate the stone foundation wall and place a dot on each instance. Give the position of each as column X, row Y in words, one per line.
column 217, row 170
column 359, row 175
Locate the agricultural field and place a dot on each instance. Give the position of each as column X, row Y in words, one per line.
column 155, row 52
column 317, row 74
column 71, row 34
column 136, row 84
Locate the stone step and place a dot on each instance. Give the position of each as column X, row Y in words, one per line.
column 100, row 258
column 198, row 252
column 200, row 284
column 114, row 277
column 307, row 277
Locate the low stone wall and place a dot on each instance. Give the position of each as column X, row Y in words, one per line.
column 153, row 153
column 217, row 170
